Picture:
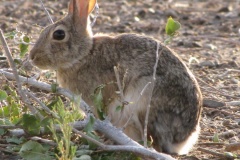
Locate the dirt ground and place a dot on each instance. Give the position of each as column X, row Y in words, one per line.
column 208, row 42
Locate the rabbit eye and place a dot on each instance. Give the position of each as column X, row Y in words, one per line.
column 59, row 34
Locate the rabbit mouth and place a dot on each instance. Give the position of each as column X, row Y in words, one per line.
column 44, row 65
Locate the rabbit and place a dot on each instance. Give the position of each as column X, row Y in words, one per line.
column 84, row 61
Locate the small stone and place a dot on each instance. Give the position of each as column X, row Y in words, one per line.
column 238, row 121
column 211, row 46
column 142, row 13
column 172, row 13
column 234, row 81
column 225, row 9
column 212, row 103
column 190, row 44
column 226, row 122
column 228, row 134
column 207, row 64
column 84, row 157
column 233, row 64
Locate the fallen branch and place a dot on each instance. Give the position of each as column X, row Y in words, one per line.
column 126, row 144
column 104, row 127
column 44, row 86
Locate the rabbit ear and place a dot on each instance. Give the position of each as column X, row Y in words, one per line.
column 80, row 9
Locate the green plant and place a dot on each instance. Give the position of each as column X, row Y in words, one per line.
column 65, row 147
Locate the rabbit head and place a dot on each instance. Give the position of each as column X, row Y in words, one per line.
column 67, row 41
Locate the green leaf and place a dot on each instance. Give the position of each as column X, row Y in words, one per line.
column 46, row 123
column 33, row 151
column 15, row 140
column 172, row 26
column 215, row 137
column 98, row 100
column 90, row 143
column 3, row 95
column 89, row 127
column 31, row 124
column 2, row 131
column 10, row 34
column 54, row 87
column 24, row 47
column 83, row 152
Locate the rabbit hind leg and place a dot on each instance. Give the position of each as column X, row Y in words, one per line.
column 184, row 147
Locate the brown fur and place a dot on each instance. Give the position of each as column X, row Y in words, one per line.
column 84, row 62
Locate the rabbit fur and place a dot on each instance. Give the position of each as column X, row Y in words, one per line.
column 83, row 62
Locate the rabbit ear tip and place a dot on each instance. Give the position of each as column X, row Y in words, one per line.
column 91, row 6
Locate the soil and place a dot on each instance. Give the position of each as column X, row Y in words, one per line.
column 208, row 42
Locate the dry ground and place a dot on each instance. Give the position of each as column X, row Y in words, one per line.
column 209, row 42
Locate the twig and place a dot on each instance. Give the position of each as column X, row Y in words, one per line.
column 9, row 126
column 49, row 17
column 16, row 76
column 152, row 83
column 227, row 72
column 141, row 93
column 211, row 143
column 44, row 107
column 8, row 151
column 119, row 84
column 215, row 153
column 125, row 125
column 46, row 141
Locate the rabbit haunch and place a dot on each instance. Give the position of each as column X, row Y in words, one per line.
column 83, row 62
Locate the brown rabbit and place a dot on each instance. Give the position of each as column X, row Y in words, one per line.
column 83, row 62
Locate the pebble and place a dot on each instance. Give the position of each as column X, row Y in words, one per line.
column 238, row 121
column 189, row 44
column 211, row 46
column 212, row 103
column 225, row 9
column 226, row 122
column 207, row 64
column 84, row 157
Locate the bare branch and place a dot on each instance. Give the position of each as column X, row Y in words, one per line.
column 46, row 87
column 46, row 141
column 152, row 83
column 47, row 13
column 44, row 107
column 126, row 144
column 119, row 84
